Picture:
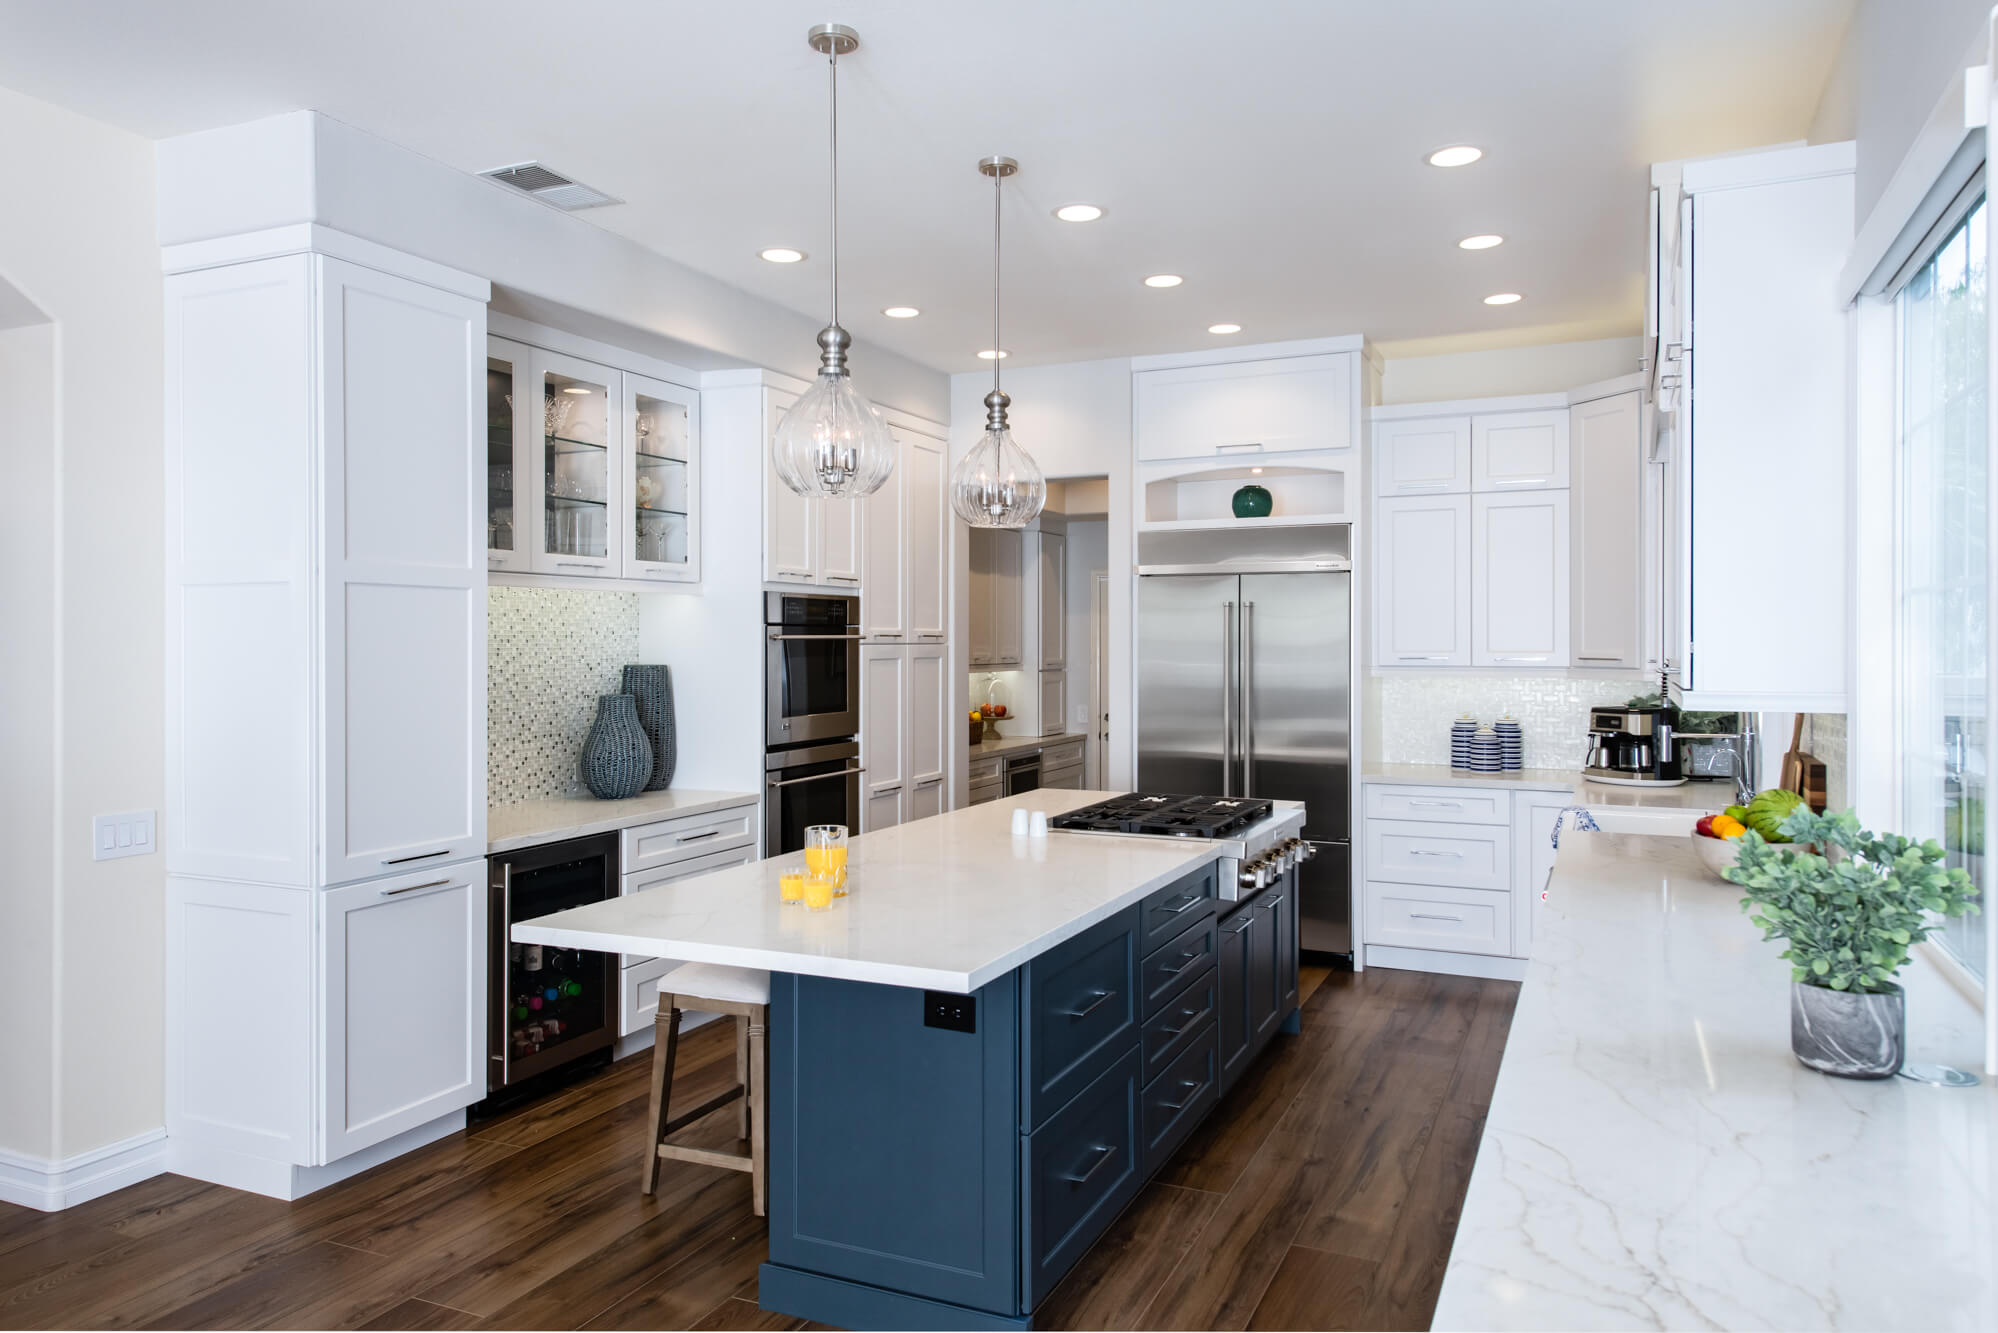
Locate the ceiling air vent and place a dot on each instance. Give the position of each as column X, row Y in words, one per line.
column 531, row 178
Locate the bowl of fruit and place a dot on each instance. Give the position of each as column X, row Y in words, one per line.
column 1717, row 838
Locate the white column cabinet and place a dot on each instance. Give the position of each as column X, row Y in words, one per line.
column 1053, row 600
column 1607, row 474
column 1519, row 593
column 883, row 729
column 1422, row 581
column 925, row 536
column 883, row 592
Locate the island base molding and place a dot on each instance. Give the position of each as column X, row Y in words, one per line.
column 843, row 1304
column 189, row 1156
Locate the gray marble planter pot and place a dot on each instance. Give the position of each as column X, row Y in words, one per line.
column 617, row 758
column 1854, row 1034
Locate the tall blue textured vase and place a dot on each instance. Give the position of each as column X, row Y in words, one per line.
column 617, row 759
column 652, row 687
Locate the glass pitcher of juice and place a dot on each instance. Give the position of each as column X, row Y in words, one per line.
column 825, row 858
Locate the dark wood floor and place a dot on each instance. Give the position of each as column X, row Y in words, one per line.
column 1323, row 1194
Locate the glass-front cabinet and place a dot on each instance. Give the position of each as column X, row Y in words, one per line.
column 591, row 471
column 662, row 539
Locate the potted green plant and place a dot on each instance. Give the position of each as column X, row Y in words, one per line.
column 1850, row 911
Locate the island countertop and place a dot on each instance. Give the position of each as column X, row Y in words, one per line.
column 947, row 903
column 1654, row 1156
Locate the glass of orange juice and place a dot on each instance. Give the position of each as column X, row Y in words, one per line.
column 825, row 862
column 791, row 888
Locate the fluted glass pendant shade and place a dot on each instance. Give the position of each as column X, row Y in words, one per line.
column 997, row 484
column 832, row 444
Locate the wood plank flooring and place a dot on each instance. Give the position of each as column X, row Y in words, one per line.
column 1322, row 1194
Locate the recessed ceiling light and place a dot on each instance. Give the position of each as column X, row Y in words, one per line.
column 1224, row 328
column 1078, row 212
column 782, row 254
column 989, row 355
column 1502, row 298
column 1164, row 280
column 901, row 312
column 1480, row 242
column 1457, row 155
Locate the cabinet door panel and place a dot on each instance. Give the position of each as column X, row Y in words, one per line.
column 1608, row 594
column 659, row 523
column 883, row 614
column 926, row 536
column 883, row 716
column 1422, row 457
column 1422, row 600
column 513, row 502
column 979, row 542
column 1054, row 601
column 840, row 526
column 1282, row 404
column 790, row 521
column 403, row 626
column 1009, row 628
column 1232, row 998
column 1519, row 595
column 403, row 1004
column 925, row 691
column 1054, row 702
column 576, row 470
column 881, row 810
column 1519, row 450
column 924, row 801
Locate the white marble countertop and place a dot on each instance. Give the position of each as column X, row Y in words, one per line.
column 946, row 903
column 531, row 823
column 1013, row 744
column 1617, row 808
column 1655, row 1157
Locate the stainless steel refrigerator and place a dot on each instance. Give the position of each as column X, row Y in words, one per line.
column 1245, row 688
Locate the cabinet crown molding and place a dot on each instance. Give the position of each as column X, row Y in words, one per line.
column 312, row 238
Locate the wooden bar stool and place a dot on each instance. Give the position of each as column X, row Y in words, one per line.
column 745, row 995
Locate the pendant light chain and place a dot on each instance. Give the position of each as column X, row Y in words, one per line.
column 998, row 353
column 832, row 182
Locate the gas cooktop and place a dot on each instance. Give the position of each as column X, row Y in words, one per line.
column 1167, row 816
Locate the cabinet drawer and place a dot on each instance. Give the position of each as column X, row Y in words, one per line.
column 1462, row 856
column 639, row 1003
column 1079, row 1171
column 1175, row 1101
column 1171, row 967
column 1061, row 756
column 1178, row 1025
column 679, row 870
column 1081, row 1012
column 1439, row 805
column 1170, row 910
column 649, row 845
column 1458, row 920
column 1062, row 779
column 981, row 792
column 991, row 768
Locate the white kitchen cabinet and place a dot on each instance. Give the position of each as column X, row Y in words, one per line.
column 1428, row 456
column 659, row 525
column 578, row 476
column 884, row 585
column 1277, row 405
column 904, row 696
column 883, row 722
column 1607, row 587
column 1519, row 579
column 1422, row 581
column 1534, row 814
column 402, row 1004
column 688, row 866
column 513, row 501
column 881, row 809
column 1053, row 600
column 926, row 536
column 1519, row 450
column 790, row 521
column 998, row 629
column 924, row 802
column 1054, row 703
column 928, row 692
column 842, row 534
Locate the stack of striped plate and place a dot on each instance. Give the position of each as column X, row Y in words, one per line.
column 1512, row 742
column 1461, row 732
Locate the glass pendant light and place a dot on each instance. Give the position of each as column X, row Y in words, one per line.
column 832, row 444
column 997, row 484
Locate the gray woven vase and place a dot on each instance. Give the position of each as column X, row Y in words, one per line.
column 652, row 687
column 617, row 759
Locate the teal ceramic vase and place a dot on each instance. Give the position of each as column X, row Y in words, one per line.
column 1253, row 501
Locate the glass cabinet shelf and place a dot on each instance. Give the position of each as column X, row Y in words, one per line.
column 562, row 444
column 645, row 511
column 655, row 460
column 569, row 501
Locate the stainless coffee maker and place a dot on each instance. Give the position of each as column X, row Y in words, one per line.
column 1635, row 746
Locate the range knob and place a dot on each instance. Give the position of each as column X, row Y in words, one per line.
column 1255, row 874
column 1305, row 851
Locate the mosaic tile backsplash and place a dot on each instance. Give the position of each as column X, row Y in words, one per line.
column 549, row 653
column 1408, row 715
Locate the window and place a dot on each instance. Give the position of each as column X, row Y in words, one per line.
column 1944, row 497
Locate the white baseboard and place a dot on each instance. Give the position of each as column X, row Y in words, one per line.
column 38, row 1183
column 1453, row 964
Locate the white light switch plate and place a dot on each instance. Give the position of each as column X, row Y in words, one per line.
column 129, row 834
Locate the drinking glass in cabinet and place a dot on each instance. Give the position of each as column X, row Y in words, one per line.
column 576, row 420
column 659, row 479
column 499, row 455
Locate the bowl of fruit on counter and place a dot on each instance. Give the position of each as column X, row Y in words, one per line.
column 1717, row 838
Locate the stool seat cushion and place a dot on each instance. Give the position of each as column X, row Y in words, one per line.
column 712, row 981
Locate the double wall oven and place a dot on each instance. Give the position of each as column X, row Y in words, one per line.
column 811, row 718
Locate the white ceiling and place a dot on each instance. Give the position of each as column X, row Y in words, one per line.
column 1271, row 152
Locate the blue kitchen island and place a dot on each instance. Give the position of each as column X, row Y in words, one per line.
column 982, row 1054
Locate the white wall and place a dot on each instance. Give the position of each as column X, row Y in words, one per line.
column 1545, row 368
column 81, row 247
column 1075, row 419
column 302, row 167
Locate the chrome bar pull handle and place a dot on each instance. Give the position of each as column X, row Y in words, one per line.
column 1248, row 698
column 1227, row 698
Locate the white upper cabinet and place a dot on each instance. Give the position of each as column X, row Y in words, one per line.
column 1519, row 589
column 926, row 536
column 842, row 532
column 578, row 473
column 790, row 521
column 661, row 530
column 998, row 630
column 883, row 608
column 511, row 511
column 1054, row 600
column 1519, row 450
column 1422, row 457
column 1280, row 405
column 1608, row 588
column 1422, row 581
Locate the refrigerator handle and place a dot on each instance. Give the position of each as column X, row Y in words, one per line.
column 1227, row 698
column 1248, row 698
